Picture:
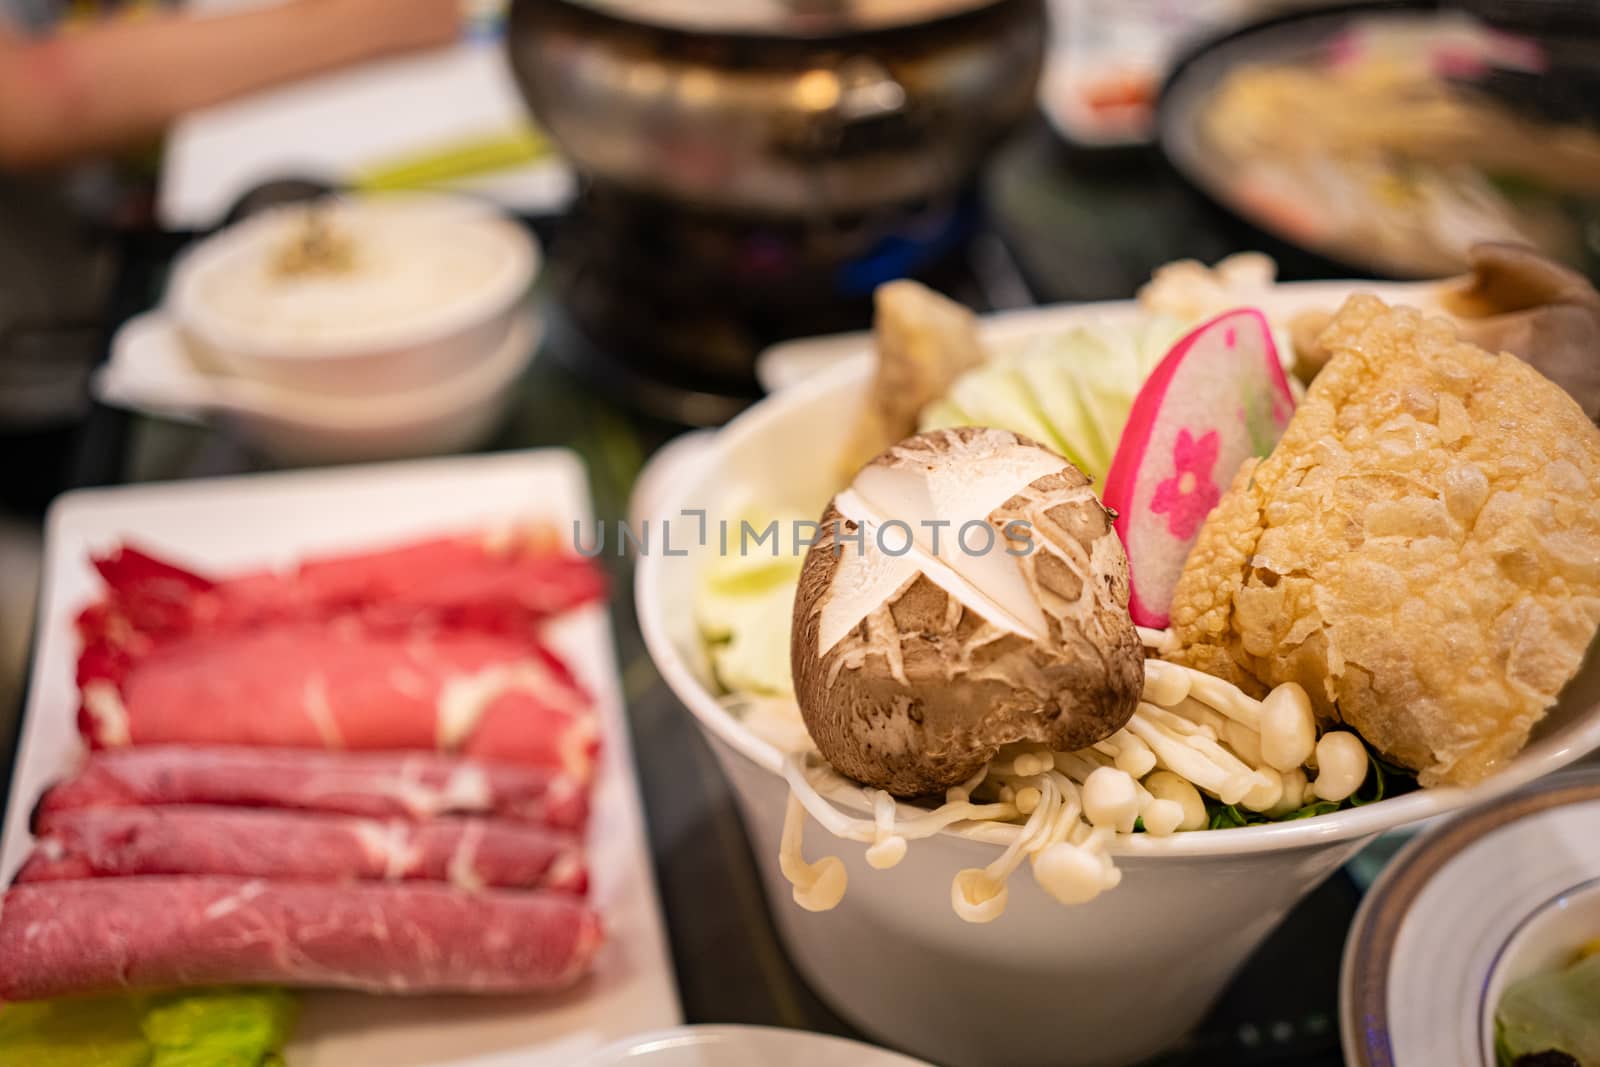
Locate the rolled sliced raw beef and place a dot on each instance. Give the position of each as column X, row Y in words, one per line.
column 337, row 685
column 489, row 582
column 470, row 854
column 109, row 934
column 378, row 785
column 485, row 581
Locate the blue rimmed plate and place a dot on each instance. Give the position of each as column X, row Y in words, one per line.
column 1505, row 890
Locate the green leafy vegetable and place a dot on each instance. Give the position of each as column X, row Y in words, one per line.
column 199, row 1028
column 1321, row 807
column 1070, row 391
column 1552, row 1012
column 1226, row 816
column 74, row 1033
column 222, row 1028
column 744, row 602
column 997, row 394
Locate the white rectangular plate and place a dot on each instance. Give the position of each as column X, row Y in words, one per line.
column 227, row 524
column 334, row 126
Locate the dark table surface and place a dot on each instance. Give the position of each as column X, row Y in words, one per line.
column 1074, row 226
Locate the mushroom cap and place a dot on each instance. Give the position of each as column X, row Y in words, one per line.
column 1519, row 301
column 1514, row 277
column 912, row 670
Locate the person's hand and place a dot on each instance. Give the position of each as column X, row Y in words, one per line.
column 408, row 24
column 68, row 96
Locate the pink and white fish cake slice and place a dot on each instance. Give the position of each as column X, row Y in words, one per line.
column 1217, row 398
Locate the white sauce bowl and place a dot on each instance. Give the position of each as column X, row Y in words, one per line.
column 1109, row 982
column 431, row 291
column 454, row 416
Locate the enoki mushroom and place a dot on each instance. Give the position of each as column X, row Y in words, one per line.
column 1192, row 733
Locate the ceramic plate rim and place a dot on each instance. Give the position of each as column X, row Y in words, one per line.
column 702, row 1034
column 1370, row 944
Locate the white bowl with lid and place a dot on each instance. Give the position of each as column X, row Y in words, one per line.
column 417, row 288
column 1105, row 983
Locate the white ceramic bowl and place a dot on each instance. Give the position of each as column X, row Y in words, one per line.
column 1108, row 982
column 453, row 416
column 436, row 283
column 150, row 370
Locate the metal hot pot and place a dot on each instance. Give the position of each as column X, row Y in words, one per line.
column 778, row 108
column 752, row 169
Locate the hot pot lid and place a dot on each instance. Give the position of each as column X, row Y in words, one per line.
column 783, row 18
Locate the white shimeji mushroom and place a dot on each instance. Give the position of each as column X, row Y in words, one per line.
column 1164, row 683
column 1265, row 792
column 1240, row 750
column 1131, row 754
column 1175, row 789
column 1111, row 798
column 1341, row 765
column 1192, row 733
column 1074, row 874
column 1288, row 728
column 1192, row 754
column 1161, row 642
column 818, row 886
column 979, row 894
column 888, row 848
column 1241, row 740
column 1160, row 817
column 1296, row 793
column 1225, row 697
column 1028, row 764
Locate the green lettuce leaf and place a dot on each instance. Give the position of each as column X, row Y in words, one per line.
column 220, row 1028
column 1557, row 1011
column 74, row 1033
column 1071, row 391
column 199, row 1028
column 744, row 602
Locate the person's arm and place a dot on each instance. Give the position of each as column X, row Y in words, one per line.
column 75, row 94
